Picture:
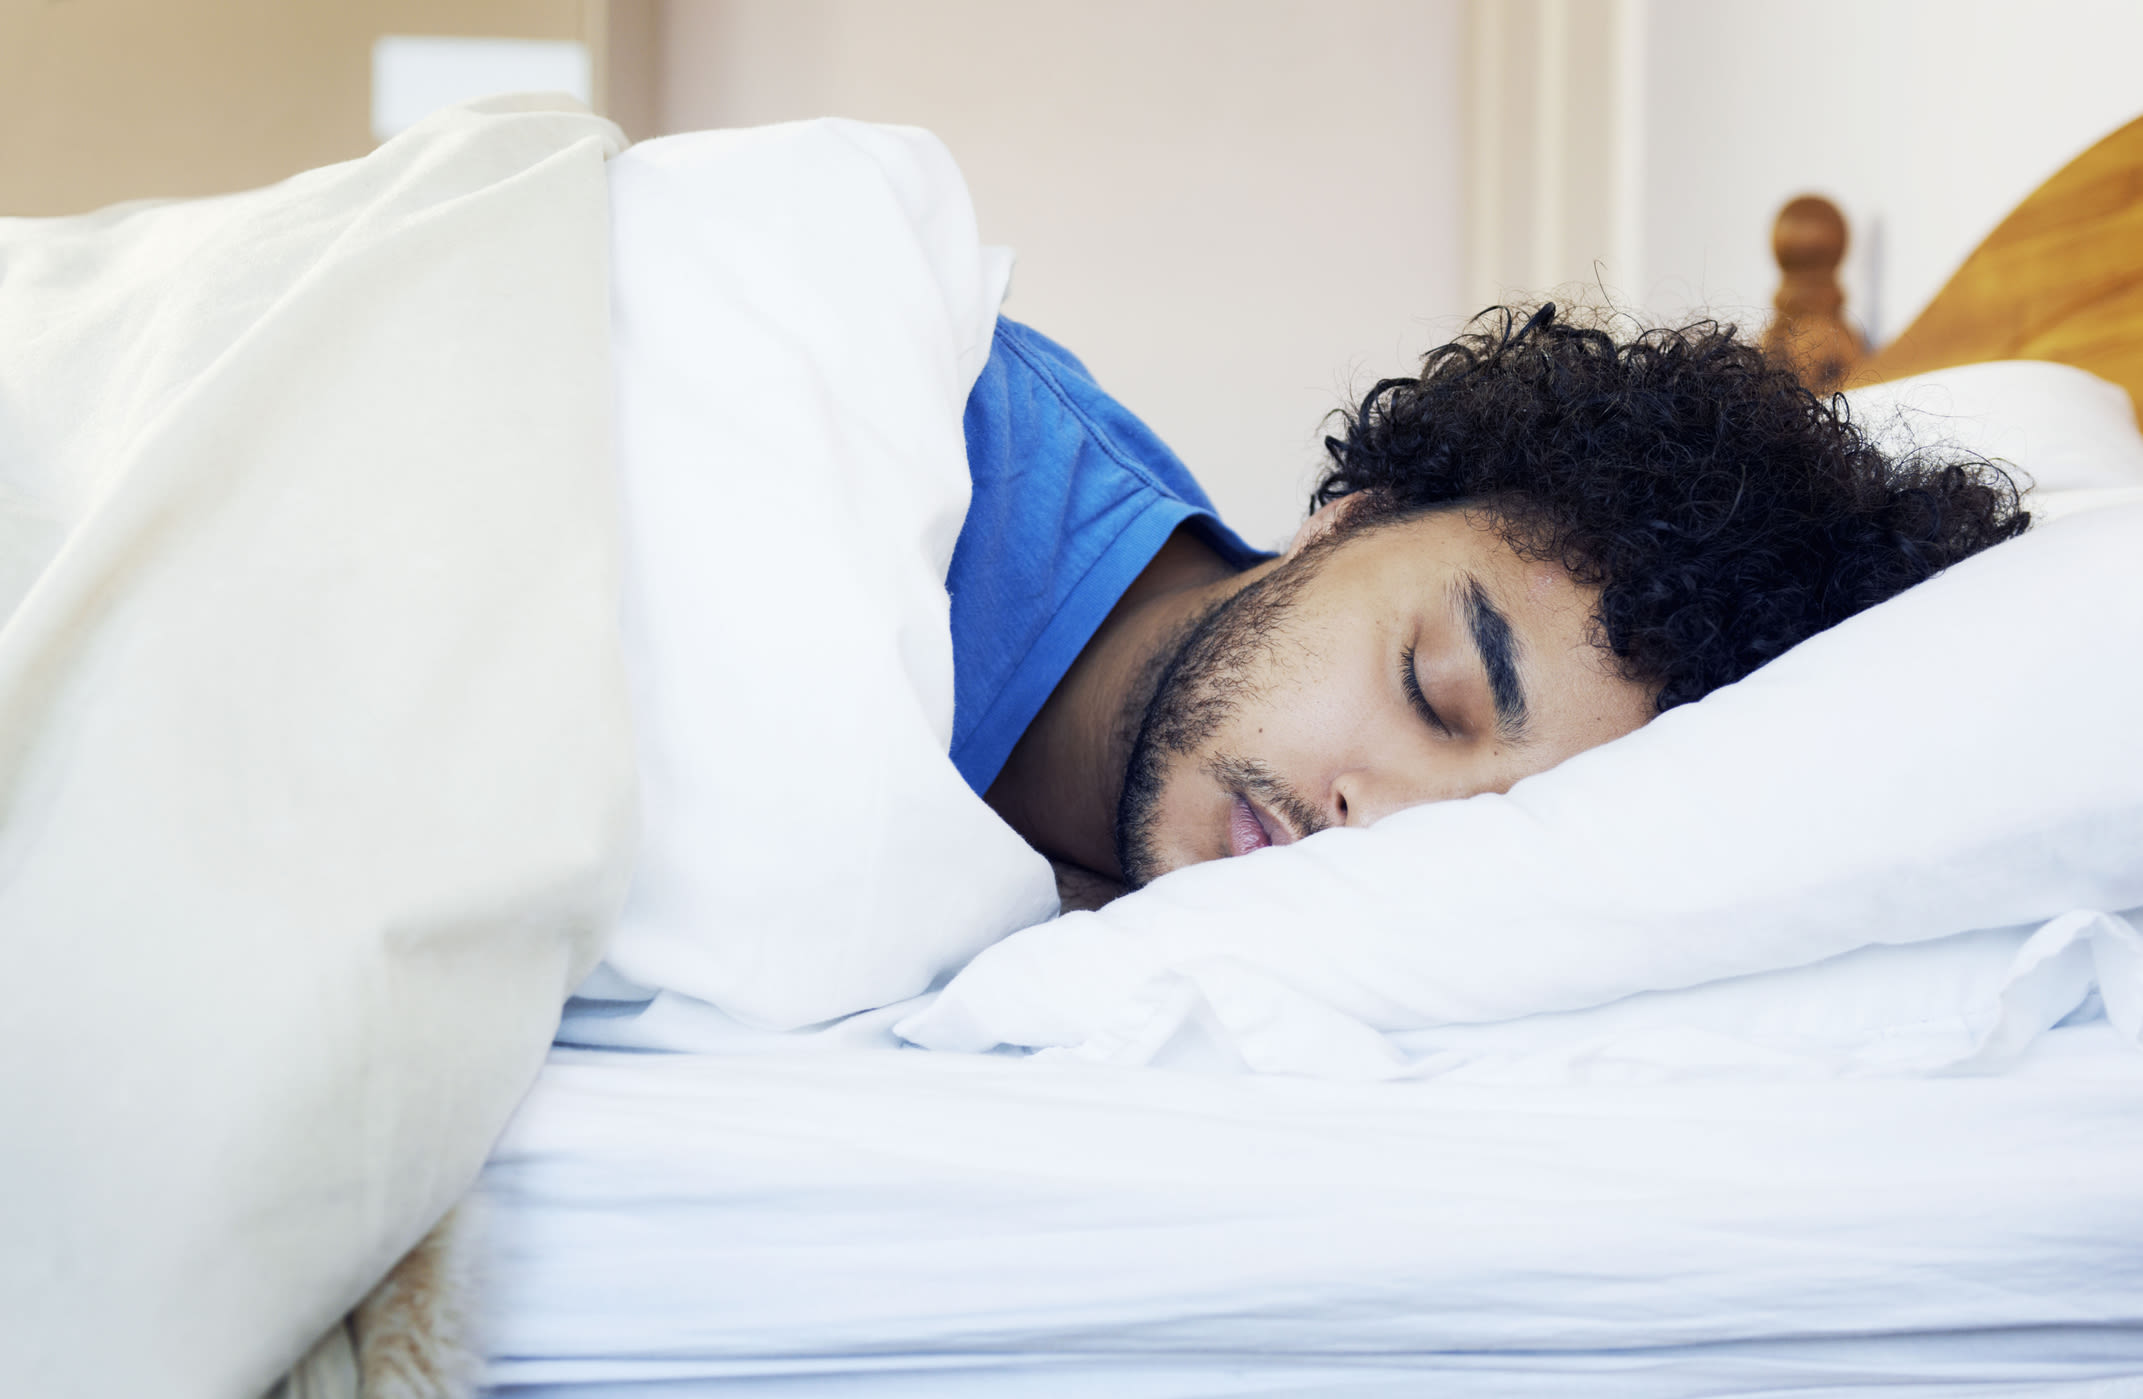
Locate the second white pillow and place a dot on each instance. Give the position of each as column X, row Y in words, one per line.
column 2068, row 429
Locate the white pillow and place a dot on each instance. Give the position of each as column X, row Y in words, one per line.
column 798, row 315
column 2066, row 428
column 1964, row 756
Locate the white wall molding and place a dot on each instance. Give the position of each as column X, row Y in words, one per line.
column 1555, row 150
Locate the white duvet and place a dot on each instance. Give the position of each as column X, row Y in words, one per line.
column 798, row 314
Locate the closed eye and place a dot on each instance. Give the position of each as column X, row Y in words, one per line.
column 1420, row 701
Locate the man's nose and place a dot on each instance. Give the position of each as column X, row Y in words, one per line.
column 1362, row 796
column 1367, row 792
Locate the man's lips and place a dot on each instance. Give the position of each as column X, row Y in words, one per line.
column 1252, row 827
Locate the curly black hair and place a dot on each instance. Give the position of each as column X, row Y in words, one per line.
column 1724, row 511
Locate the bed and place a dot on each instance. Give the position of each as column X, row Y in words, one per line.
column 388, row 643
column 686, row 1205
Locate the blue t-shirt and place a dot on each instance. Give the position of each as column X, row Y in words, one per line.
column 1073, row 496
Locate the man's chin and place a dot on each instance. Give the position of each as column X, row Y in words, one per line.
column 1145, row 856
column 1138, row 817
column 1141, row 866
column 1156, row 846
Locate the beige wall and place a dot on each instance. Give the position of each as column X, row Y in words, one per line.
column 104, row 100
column 1236, row 211
column 1233, row 210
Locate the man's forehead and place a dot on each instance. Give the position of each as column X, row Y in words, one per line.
column 1474, row 542
column 1543, row 581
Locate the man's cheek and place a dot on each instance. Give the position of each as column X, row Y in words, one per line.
column 1270, row 725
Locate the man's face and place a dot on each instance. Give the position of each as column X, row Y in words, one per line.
column 1408, row 662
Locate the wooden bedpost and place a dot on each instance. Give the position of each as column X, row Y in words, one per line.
column 1809, row 332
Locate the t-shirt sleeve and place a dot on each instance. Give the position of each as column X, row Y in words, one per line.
column 1073, row 496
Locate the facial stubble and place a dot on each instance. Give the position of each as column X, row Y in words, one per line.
column 1208, row 675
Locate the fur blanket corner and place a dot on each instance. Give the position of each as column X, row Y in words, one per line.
column 413, row 1336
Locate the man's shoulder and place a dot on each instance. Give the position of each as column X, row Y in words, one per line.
column 1049, row 397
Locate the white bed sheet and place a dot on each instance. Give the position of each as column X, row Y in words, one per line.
column 897, row 1222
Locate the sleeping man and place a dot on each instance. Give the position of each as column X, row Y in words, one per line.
column 1539, row 542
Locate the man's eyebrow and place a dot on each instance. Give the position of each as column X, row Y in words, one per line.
column 1498, row 648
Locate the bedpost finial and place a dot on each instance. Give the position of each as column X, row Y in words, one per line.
column 1810, row 333
column 1809, row 235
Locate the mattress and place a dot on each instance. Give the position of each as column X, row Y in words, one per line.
column 879, row 1221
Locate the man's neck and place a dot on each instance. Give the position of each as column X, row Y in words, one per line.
column 1060, row 786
